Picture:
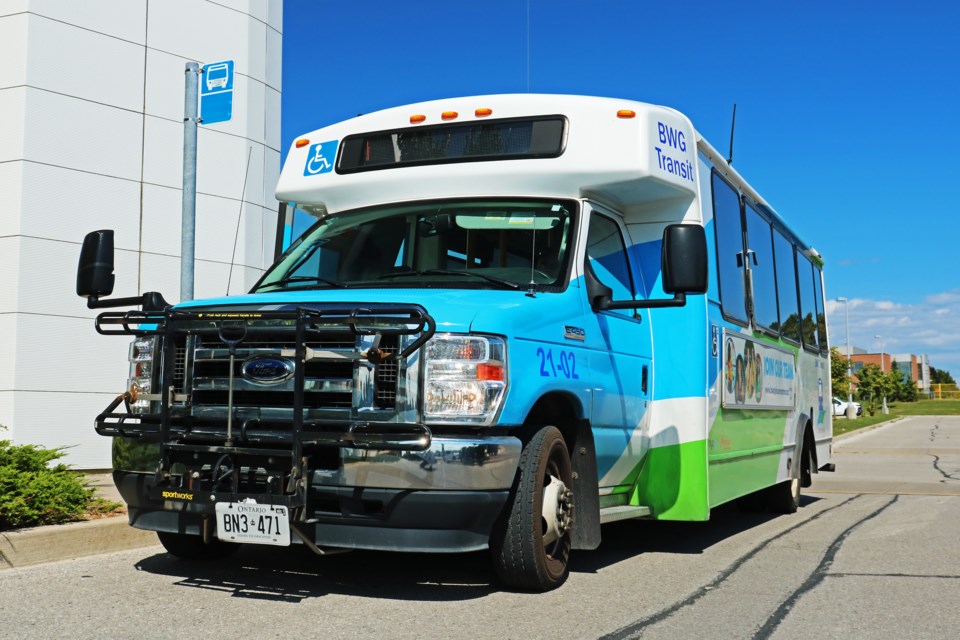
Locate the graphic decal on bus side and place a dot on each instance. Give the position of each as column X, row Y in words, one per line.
column 756, row 375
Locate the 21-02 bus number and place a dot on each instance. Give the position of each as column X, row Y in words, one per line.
column 565, row 365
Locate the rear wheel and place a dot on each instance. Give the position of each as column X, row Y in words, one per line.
column 785, row 496
column 194, row 548
column 531, row 543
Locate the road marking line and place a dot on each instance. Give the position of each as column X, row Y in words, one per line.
column 882, row 493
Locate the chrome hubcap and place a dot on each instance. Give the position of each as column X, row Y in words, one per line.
column 557, row 511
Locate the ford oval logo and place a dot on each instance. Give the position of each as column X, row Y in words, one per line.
column 266, row 370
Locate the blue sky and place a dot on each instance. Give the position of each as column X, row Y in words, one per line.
column 846, row 113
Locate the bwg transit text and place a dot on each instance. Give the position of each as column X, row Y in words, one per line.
column 674, row 138
column 515, row 318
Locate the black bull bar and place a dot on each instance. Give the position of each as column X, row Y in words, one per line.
column 181, row 434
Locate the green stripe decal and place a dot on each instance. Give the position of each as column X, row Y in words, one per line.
column 673, row 482
column 737, row 477
column 744, row 449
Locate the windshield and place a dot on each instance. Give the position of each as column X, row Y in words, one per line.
column 454, row 244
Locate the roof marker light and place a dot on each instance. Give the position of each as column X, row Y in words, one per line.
column 417, row 119
column 626, row 113
column 483, row 113
column 449, row 115
column 302, row 142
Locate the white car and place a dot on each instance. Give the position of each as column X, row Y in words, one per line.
column 840, row 407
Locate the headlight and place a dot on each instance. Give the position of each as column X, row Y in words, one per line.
column 141, row 372
column 465, row 379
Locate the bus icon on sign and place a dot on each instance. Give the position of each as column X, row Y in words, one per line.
column 217, row 76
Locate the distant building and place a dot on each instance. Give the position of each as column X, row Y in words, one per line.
column 854, row 350
column 92, row 97
column 916, row 368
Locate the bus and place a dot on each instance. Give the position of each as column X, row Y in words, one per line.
column 514, row 319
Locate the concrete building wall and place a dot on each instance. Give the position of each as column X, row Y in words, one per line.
column 92, row 97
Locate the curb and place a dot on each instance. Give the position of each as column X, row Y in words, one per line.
column 67, row 541
column 873, row 427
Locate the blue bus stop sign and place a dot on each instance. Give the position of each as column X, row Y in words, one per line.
column 216, row 92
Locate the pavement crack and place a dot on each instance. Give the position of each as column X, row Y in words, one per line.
column 892, row 575
column 635, row 630
column 936, row 465
column 817, row 576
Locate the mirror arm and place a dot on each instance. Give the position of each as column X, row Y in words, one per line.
column 150, row 301
column 679, row 299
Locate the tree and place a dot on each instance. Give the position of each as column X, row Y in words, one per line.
column 874, row 386
column 941, row 376
column 839, row 382
column 907, row 392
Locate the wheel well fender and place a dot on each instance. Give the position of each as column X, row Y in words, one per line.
column 800, row 432
column 809, row 454
column 805, row 442
column 564, row 412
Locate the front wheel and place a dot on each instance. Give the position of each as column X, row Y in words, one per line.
column 194, row 548
column 531, row 543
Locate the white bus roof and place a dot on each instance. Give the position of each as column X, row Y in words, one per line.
column 604, row 155
column 623, row 153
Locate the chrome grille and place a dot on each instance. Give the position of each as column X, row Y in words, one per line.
column 328, row 379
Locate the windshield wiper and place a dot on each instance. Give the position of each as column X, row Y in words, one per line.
column 451, row 272
column 283, row 282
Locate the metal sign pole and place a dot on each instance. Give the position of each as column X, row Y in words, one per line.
column 189, row 206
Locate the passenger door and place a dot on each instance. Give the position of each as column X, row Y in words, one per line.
column 620, row 355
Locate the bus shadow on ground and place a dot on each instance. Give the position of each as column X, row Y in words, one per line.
column 295, row 574
column 632, row 538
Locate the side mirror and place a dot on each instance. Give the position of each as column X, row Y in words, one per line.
column 95, row 271
column 95, row 276
column 684, row 259
column 683, row 263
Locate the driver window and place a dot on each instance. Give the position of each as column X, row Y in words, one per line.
column 607, row 256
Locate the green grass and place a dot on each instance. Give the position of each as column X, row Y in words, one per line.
column 898, row 409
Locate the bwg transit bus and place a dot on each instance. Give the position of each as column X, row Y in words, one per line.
column 516, row 318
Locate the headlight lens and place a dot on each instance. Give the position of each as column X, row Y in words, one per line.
column 141, row 372
column 465, row 379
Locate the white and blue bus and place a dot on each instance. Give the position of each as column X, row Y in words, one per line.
column 515, row 318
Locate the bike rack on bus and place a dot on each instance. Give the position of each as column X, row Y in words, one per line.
column 174, row 432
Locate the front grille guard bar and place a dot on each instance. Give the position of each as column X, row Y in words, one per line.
column 382, row 320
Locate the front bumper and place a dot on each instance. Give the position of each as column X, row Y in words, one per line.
column 443, row 499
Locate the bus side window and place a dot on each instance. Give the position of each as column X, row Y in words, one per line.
column 808, row 305
column 760, row 241
column 607, row 254
column 726, row 221
column 786, row 288
column 821, row 312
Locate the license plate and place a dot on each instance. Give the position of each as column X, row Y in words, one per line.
column 252, row 523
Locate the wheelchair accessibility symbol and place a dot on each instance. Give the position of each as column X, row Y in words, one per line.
column 320, row 158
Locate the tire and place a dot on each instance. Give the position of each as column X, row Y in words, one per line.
column 188, row 547
column 530, row 551
column 806, row 470
column 784, row 497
